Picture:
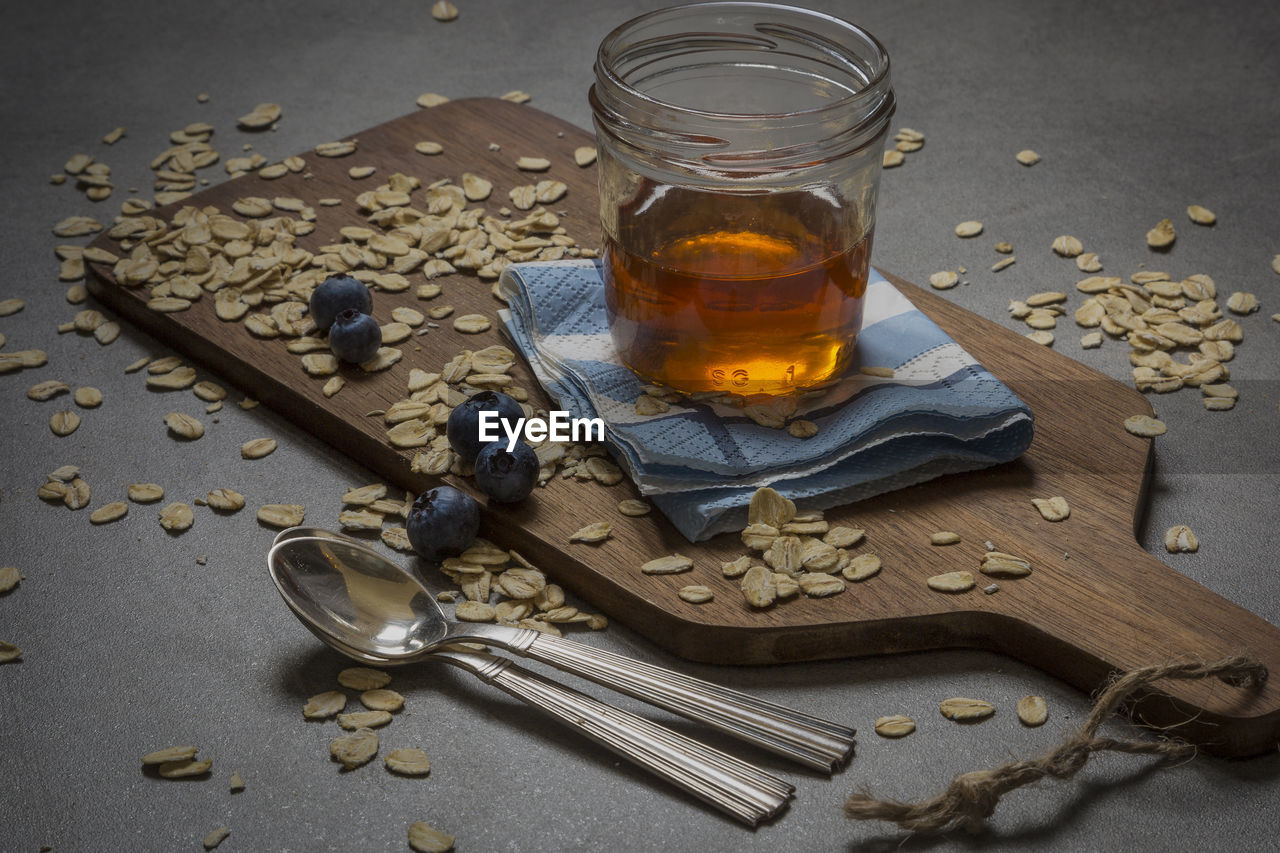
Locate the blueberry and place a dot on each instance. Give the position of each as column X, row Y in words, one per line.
column 443, row 521
column 463, row 428
column 336, row 294
column 354, row 337
column 507, row 477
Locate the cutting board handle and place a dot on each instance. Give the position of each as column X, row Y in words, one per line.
column 1146, row 613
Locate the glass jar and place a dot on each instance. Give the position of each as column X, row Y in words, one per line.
column 739, row 159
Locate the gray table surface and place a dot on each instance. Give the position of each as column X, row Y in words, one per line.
column 1138, row 110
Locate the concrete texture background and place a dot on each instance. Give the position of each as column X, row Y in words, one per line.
column 1138, row 110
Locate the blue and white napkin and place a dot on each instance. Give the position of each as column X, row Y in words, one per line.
column 941, row 413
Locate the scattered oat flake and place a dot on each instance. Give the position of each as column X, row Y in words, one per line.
column 225, row 500
column 174, row 380
column 595, row 532
column 407, row 762
column 1032, row 710
column 1067, row 246
column 382, row 699
column 443, row 10
column 862, row 568
column 944, row 537
column 1052, row 509
column 364, row 720
column 759, row 587
column 843, row 537
column 184, row 769
column 1027, row 157
column 533, row 164
column 944, row 280
column 263, row 115
column 770, row 508
column 820, row 584
column 1088, row 262
column 1242, row 303
column 1004, row 263
column 335, row 149
column 952, row 582
column 647, row 405
column 237, row 783
column 1180, row 540
column 363, row 678
column 668, row 565
column 213, row 839
column 324, row 705
column 969, row 228
column 474, row 611
column 354, row 749
column 633, row 507
column 696, row 594
column 184, row 426
column 584, row 155
column 77, row 226
column 801, row 428
column 1000, row 564
column 895, row 725
column 471, row 324
column 961, row 709
column 364, row 495
column 170, row 753
column 144, row 493
column 1042, row 337
column 108, row 513
column 47, row 390
column 892, row 158
column 1162, row 235
column 257, row 448
column 64, row 423
column 87, row 397
column 177, row 516
column 281, row 515
column 9, row 578
column 1201, row 215
column 9, row 652
column 424, row 838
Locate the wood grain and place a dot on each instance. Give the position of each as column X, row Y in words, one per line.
column 1095, row 603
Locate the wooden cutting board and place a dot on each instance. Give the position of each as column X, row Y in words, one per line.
column 1095, row 603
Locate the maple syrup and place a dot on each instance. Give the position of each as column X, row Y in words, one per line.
column 763, row 301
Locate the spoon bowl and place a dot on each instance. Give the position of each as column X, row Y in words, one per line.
column 353, row 596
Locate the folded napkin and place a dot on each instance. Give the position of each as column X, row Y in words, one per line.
column 940, row 413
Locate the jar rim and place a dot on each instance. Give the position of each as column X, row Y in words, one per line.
column 879, row 61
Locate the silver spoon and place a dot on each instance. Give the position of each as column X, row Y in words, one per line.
column 730, row 784
column 398, row 626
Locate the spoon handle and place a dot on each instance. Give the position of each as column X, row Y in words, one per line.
column 733, row 786
column 812, row 741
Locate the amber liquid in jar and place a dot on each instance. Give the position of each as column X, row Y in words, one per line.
column 766, row 299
